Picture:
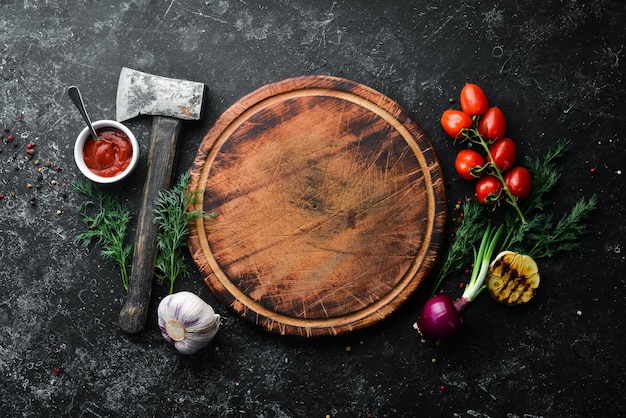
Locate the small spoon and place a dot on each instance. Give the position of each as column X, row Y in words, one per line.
column 74, row 94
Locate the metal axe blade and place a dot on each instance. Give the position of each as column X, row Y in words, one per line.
column 140, row 93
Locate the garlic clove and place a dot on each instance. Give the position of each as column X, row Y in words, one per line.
column 187, row 321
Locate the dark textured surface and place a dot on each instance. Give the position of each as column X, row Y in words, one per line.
column 555, row 68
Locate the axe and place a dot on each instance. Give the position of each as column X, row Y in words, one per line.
column 170, row 101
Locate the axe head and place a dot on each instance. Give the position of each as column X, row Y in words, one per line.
column 141, row 93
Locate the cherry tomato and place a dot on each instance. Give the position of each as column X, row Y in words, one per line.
column 473, row 100
column 453, row 121
column 488, row 190
column 492, row 124
column 465, row 161
column 519, row 181
column 503, row 152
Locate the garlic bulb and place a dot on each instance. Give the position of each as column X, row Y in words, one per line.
column 187, row 321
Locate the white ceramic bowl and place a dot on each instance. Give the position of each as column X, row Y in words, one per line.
column 80, row 143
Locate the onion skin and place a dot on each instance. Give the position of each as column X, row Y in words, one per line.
column 440, row 317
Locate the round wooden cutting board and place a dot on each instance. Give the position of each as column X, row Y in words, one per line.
column 330, row 206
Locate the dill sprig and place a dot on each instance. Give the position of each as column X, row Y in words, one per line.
column 470, row 230
column 172, row 215
column 107, row 221
column 544, row 238
column 541, row 236
column 545, row 174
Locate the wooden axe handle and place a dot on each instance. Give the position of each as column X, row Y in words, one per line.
column 161, row 159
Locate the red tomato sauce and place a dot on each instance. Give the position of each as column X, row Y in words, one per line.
column 110, row 154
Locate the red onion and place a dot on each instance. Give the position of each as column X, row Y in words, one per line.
column 441, row 317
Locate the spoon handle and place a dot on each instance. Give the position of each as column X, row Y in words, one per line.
column 74, row 94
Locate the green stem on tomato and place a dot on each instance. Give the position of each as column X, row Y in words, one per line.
column 477, row 138
column 498, row 173
column 482, row 259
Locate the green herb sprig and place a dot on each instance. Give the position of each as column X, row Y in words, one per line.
column 546, row 173
column 541, row 236
column 107, row 221
column 172, row 215
column 469, row 231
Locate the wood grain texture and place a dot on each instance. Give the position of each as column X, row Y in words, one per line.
column 330, row 204
column 161, row 158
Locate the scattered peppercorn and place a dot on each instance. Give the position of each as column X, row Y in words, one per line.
column 442, row 388
column 58, row 168
column 57, row 371
column 593, row 170
column 48, row 164
column 10, row 138
column 1, row 196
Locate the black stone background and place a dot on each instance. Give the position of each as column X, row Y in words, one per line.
column 556, row 68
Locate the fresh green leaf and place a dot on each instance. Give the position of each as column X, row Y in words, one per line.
column 540, row 236
column 172, row 215
column 543, row 238
column 470, row 230
column 107, row 221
